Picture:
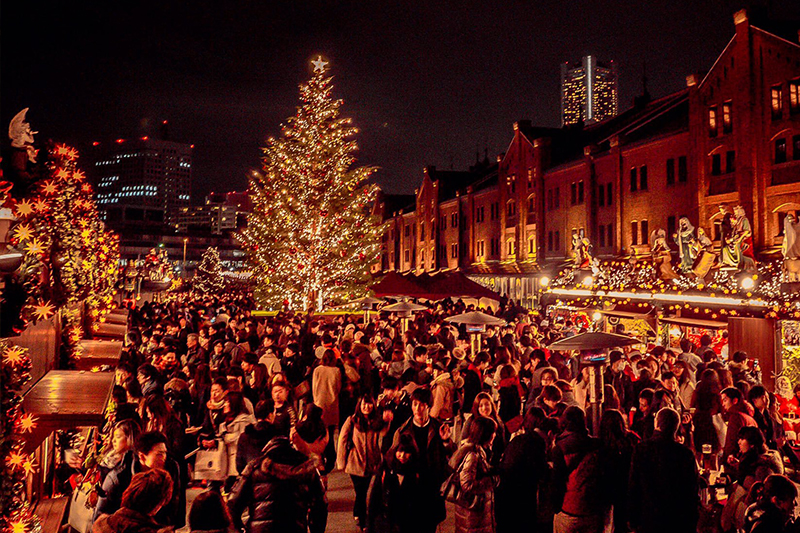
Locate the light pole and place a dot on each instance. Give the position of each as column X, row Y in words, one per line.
column 185, row 240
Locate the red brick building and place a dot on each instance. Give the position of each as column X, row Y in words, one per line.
column 731, row 137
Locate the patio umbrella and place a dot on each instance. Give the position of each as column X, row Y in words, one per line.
column 593, row 340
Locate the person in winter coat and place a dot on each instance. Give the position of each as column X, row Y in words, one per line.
column 754, row 463
column 578, row 479
column 521, row 469
column 473, row 379
column 442, row 389
column 359, row 451
column 476, row 479
column 739, row 414
column 232, row 428
column 150, row 453
column 483, row 405
column 209, row 514
column 392, row 492
column 616, row 451
column 282, row 492
column 326, row 383
column 774, row 509
column 432, row 439
column 256, row 436
column 147, row 493
column 663, row 492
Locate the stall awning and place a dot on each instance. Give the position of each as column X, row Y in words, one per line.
column 65, row 399
column 627, row 314
column 695, row 322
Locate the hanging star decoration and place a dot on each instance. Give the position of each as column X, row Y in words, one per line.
column 63, row 174
column 49, row 188
column 15, row 460
column 29, row 466
column 319, row 64
column 13, row 355
column 27, row 422
column 41, row 205
column 35, row 247
column 43, row 311
column 79, row 175
column 24, row 208
column 23, row 232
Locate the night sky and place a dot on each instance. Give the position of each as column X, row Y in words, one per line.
column 427, row 82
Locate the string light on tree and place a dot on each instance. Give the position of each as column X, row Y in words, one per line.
column 311, row 234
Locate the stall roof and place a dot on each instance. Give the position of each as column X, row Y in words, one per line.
column 627, row 314
column 65, row 399
column 98, row 352
column 695, row 322
column 438, row 286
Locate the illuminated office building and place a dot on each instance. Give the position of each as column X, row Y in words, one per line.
column 588, row 91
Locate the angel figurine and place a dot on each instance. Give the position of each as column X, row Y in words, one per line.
column 791, row 248
column 582, row 250
column 742, row 240
column 662, row 256
column 21, row 170
column 704, row 252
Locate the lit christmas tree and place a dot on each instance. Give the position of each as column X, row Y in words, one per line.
column 208, row 278
column 311, row 235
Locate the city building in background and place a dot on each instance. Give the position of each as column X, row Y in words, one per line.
column 588, row 91
column 141, row 182
column 730, row 138
column 221, row 212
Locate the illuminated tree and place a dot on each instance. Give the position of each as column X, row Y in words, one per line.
column 311, row 235
column 208, row 278
column 69, row 256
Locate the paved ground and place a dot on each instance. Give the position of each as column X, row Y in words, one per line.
column 340, row 506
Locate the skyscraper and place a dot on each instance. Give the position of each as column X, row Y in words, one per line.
column 588, row 91
column 142, row 181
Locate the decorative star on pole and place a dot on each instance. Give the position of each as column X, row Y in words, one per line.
column 319, row 64
column 13, row 355
column 43, row 311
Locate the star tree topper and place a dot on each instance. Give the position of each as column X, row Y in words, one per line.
column 319, row 64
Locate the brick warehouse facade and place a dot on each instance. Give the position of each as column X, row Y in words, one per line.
column 731, row 137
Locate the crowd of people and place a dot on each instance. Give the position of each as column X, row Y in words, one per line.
column 259, row 410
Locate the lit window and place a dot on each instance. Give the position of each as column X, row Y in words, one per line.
column 776, row 102
column 712, row 121
column 727, row 120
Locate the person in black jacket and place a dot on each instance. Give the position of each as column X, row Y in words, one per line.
column 282, row 491
column 663, row 490
column 256, row 436
column 521, row 469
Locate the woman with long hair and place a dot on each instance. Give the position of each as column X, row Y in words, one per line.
column 161, row 417
column 616, row 451
column 476, row 479
column 683, row 373
column 359, row 451
column 484, row 406
column 209, row 514
column 237, row 418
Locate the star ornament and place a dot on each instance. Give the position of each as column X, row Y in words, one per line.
column 27, row 422
column 43, row 311
column 34, row 247
column 13, row 355
column 79, row 175
column 62, row 174
column 41, row 205
column 49, row 188
column 23, row 232
column 319, row 64
column 24, row 208
column 18, row 527
column 29, row 466
column 15, row 460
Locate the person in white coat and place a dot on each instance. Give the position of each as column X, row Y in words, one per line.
column 237, row 418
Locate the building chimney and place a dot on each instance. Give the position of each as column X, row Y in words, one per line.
column 740, row 17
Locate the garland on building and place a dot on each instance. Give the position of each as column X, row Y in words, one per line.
column 69, row 257
column 620, row 282
column 15, row 465
column 208, row 279
column 311, row 235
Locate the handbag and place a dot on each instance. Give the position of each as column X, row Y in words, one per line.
column 212, row 465
column 452, row 492
column 80, row 511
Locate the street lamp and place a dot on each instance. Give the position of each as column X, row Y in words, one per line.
column 185, row 240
